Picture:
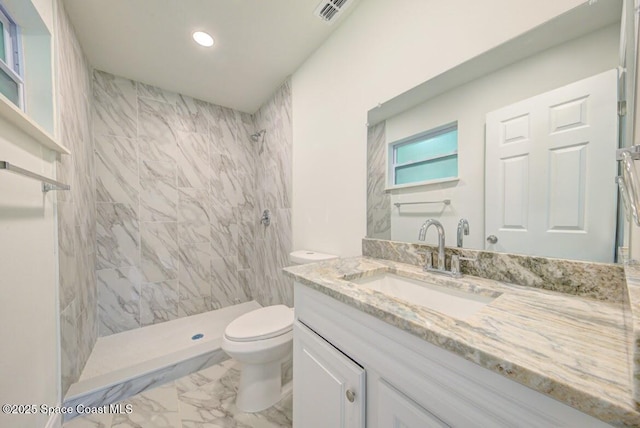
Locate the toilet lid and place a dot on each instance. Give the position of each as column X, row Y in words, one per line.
column 261, row 324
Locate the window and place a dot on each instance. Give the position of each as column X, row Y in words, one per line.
column 431, row 156
column 11, row 84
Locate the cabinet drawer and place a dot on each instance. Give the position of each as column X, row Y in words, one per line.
column 397, row 410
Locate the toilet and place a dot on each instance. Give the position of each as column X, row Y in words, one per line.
column 261, row 340
column 302, row 257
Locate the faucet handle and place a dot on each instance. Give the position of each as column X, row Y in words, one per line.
column 428, row 259
column 455, row 264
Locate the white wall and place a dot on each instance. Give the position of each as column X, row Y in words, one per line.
column 45, row 10
column 382, row 49
column 29, row 367
column 28, row 263
column 468, row 105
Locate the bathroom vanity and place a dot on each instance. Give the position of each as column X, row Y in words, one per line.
column 517, row 356
column 528, row 336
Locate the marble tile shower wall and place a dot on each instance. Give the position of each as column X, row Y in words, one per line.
column 176, row 204
column 378, row 201
column 273, row 175
column 76, row 209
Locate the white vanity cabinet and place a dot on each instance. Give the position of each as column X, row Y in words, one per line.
column 394, row 409
column 329, row 386
column 409, row 382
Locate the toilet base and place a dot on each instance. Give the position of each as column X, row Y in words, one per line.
column 260, row 386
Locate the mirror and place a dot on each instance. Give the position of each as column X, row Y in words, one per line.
column 536, row 121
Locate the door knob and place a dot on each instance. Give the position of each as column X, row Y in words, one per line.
column 492, row 239
column 351, row 396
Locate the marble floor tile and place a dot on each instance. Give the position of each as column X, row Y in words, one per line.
column 155, row 408
column 202, row 399
column 213, row 404
column 203, row 377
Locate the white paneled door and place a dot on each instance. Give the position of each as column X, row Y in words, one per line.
column 550, row 172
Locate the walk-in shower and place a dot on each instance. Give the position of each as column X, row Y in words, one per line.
column 129, row 362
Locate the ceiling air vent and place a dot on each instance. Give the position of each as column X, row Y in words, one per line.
column 330, row 10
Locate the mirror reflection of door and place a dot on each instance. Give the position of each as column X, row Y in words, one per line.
column 550, row 172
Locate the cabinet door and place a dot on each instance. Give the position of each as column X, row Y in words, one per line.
column 396, row 410
column 328, row 387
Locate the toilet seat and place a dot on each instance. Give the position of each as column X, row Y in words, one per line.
column 261, row 324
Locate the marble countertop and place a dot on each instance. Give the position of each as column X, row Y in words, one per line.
column 632, row 272
column 573, row 349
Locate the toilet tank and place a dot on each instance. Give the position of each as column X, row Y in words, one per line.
column 302, row 257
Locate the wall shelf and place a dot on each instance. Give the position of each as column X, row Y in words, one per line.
column 18, row 118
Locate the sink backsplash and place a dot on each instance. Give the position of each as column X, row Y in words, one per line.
column 600, row 281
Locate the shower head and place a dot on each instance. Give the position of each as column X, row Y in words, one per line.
column 256, row 137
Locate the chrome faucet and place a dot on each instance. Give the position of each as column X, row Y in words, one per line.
column 463, row 227
column 423, row 234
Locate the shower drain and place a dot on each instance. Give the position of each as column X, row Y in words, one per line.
column 197, row 336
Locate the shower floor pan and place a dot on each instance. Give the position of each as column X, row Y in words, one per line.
column 125, row 364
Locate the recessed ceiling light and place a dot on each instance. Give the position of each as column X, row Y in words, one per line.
column 203, row 39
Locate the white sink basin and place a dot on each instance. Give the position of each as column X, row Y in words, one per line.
column 454, row 303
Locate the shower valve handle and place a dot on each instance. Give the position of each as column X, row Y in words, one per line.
column 266, row 218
